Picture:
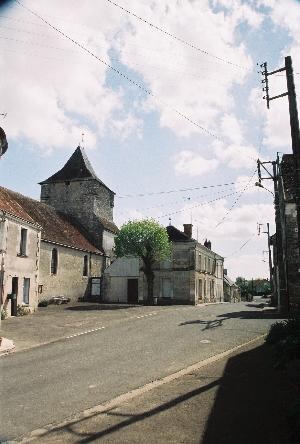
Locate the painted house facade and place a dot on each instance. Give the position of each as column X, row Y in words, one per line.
column 19, row 260
column 194, row 274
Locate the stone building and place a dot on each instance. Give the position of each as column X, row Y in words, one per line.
column 286, row 259
column 73, row 230
column 194, row 274
column 232, row 293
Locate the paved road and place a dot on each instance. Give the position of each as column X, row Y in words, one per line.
column 54, row 381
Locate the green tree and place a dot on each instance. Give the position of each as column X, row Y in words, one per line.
column 145, row 239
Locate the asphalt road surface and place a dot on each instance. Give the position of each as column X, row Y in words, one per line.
column 49, row 383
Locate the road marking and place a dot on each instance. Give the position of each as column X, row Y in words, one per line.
column 117, row 401
column 84, row 332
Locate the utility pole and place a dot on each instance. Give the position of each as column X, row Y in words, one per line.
column 294, row 121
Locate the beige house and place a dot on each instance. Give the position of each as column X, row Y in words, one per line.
column 194, row 274
column 61, row 245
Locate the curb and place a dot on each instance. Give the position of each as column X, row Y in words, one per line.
column 6, row 346
column 115, row 402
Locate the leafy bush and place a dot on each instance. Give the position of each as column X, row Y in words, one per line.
column 3, row 314
column 22, row 310
column 282, row 330
column 284, row 336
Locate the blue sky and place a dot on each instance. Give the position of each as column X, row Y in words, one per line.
column 52, row 92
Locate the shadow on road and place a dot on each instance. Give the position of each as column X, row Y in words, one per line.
column 252, row 402
column 246, row 314
column 94, row 306
column 207, row 324
column 131, row 419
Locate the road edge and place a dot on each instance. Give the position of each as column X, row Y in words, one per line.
column 115, row 402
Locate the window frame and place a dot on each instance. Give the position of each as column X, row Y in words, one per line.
column 54, row 262
column 23, row 242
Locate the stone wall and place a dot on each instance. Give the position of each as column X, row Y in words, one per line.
column 69, row 280
column 86, row 200
column 292, row 253
column 13, row 265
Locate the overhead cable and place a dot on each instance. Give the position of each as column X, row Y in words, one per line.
column 120, row 73
column 196, row 206
column 179, row 39
column 178, row 190
column 236, row 201
column 241, row 247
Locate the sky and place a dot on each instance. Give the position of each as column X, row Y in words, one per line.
column 172, row 119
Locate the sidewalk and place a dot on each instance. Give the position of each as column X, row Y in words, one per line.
column 240, row 398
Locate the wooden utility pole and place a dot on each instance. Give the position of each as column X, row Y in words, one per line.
column 294, row 122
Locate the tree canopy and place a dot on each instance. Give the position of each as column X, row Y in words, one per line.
column 144, row 238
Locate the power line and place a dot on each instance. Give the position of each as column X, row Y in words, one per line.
column 196, row 206
column 120, row 73
column 178, row 190
column 174, row 202
column 241, row 247
column 236, row 201
column 179, row 39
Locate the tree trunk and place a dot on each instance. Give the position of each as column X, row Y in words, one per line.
column 150, row 280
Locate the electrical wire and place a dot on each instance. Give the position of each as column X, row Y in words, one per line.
column 236, row 201
column 178, row 190
column 196, row 206
column 179, row 39
column 175, row 202
column 120, row 73
column 125, row 76
column 241, row 247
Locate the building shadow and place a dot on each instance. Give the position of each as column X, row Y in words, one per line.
column 251, row 402
column 255, row 314
column 130, row 419
column 93, row 306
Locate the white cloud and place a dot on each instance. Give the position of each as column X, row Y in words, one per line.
column 192, row 164
column 241, row 156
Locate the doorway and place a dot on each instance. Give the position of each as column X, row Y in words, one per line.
column 132, row 291
column 167, row 288
column 14, row 295
column 200, row 294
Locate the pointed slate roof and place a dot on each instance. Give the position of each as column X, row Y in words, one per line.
column 77, row 167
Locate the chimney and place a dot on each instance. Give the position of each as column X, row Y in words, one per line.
column 225, row 271
column 188, row 230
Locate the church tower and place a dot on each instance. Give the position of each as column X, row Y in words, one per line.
column 76, row 191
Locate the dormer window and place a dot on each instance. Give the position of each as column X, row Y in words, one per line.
column 23, row 242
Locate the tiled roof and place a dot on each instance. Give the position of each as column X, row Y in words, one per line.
column 176, row 235
column 288, row 176
column 56, row 227
column 77, row 167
